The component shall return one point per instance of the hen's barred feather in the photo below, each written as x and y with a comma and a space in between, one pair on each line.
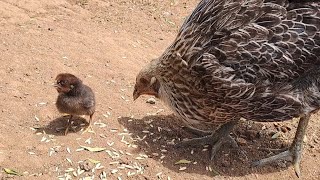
232, 59
242, 58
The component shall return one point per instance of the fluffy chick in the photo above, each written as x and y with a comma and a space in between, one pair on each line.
74, 97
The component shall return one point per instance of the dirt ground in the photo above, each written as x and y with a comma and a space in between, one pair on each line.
106, 43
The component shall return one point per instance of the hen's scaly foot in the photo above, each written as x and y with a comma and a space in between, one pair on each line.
215, 139
294, 152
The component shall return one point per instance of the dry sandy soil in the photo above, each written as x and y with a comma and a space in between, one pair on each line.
106, 43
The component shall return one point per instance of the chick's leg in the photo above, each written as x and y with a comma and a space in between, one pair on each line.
295, 150
215, 139
69, 125
89, 125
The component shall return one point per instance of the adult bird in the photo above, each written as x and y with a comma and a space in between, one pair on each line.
252, 59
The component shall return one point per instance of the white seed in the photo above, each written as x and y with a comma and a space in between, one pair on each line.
129, 154
182, 168
139, 158
68, 150
43, 139
80, 149
114, 162
102, 135
144, 155
130, 173
69, 170
113, 171
69, 160
113, 130
88, 141
110, 143
80, 171
105, 115
50, 153
36, 118
99, 167
164, 150
121, 167
155, 154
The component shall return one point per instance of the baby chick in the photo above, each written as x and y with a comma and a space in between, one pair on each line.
74, 97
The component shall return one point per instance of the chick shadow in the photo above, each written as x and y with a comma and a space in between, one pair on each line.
58, 126
155, 135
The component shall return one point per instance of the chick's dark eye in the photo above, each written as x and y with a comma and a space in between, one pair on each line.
60, 82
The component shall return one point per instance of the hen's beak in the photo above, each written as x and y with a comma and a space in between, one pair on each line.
136, 94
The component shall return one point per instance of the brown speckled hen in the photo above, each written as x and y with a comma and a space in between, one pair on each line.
74, 97
252, 59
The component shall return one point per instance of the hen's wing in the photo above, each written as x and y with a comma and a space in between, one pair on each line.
261, 41
234, 55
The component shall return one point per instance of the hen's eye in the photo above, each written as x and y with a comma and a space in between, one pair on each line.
144, 81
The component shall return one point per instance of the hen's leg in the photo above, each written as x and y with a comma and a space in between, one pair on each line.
295, 150
215, 139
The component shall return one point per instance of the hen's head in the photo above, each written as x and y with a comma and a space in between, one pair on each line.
146, 82
66, 82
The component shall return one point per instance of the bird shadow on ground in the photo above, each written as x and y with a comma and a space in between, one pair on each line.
57, 126
155, 135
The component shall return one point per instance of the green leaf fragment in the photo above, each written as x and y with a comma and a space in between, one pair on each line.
93, 149
11, 171
276, 135
94, 161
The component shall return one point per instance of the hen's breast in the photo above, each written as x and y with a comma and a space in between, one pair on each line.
192, 107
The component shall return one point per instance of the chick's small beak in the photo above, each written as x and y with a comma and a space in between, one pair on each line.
136, 94
55, 85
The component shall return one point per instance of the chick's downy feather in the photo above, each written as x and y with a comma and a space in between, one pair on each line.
79, 99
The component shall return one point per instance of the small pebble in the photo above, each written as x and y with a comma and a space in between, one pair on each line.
86, 165
283, 129
241, 141
151, 101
